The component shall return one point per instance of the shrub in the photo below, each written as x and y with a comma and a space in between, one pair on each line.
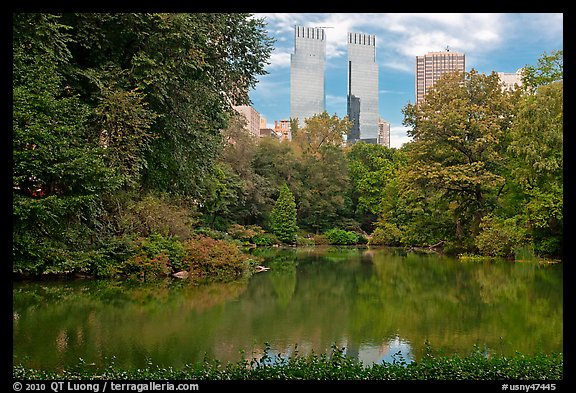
158, 215
207, 257
341, 237
386, 234
264, 239
154, 256
252, 234
500, 237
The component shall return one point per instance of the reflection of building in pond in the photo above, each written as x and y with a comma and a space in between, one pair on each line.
62, 341
393, 350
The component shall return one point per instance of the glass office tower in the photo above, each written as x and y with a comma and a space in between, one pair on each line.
307, 63
362, 87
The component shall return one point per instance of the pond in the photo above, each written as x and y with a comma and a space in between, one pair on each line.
380, 304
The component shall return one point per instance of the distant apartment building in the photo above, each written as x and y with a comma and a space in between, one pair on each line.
383, 133
362, 99
252, 118
307, 64
282, 128
431, 66
509, 80
269, 132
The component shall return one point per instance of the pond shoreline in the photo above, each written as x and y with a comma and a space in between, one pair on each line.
475, 366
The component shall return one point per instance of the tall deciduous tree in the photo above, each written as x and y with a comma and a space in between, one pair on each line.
549, 68
123, 101
320, 130
459, 134
371, 167
189, 67
323, 199
58, 173
536, 150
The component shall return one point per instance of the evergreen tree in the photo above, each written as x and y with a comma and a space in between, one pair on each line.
283, 216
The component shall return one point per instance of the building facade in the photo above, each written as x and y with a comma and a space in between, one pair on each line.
431, 66
307, 64
383, 133
362, 100
252, 118
509, 80
283, 128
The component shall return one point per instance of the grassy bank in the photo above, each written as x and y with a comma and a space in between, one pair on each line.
475, 366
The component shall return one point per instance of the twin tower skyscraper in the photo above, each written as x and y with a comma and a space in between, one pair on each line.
307, 80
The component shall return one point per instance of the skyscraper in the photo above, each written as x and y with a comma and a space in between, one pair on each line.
362, 87
307, 63
431, 66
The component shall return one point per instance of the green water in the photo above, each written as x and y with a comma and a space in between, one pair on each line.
377, 303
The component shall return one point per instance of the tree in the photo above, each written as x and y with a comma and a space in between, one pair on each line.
323, 199
59, 174
189, 68
458, 150
549, 68
320, 130
238, 155
283, 216
371, 167
110, 107
536, 164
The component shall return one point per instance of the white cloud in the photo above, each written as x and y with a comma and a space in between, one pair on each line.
336, 104
400, 37
398, 136
279, 58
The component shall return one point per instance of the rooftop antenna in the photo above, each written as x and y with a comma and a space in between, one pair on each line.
447, 49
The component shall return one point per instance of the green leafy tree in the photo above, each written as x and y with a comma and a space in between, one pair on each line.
275, 162
320, 130
109, 107
323, 199
283, 216
459, 143
239, 154
549, 68
371, 167
221, 194
188, 67
59, 174
536, 162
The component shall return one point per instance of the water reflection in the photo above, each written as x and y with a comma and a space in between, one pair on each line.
395, 350
381, 305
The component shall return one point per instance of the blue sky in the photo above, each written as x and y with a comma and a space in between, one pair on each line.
501, 42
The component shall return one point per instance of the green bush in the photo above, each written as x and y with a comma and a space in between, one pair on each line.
155, 255
342, 237
252, 234
386, 234
221, 259
500, 237
264, 239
